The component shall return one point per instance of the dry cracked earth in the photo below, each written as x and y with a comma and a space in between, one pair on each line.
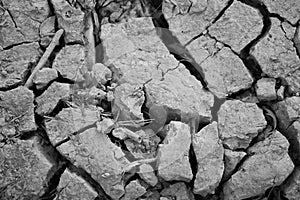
150, 99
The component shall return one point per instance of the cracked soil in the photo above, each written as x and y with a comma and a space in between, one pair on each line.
149, 99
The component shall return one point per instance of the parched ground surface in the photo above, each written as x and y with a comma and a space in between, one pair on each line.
149, 99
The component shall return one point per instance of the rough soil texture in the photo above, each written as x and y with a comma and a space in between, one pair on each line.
149, 100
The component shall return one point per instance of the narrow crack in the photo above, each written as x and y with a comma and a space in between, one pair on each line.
249, 60
12, 18
18, 44
81, 130
221, 13
282, 19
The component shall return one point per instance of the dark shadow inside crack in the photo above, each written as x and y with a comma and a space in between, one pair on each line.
249, 61
52, 181
216, 107
193, 164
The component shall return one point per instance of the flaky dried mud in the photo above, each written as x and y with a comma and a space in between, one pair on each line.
146, 99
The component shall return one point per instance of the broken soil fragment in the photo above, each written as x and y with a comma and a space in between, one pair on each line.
224, 71
16, 62
69, 60
173, 161
133, 190
69, 121
268, 166
16, 111
128, 101
265, 89
146, 172
21, 21
43, 77
239, 123
209, 153
70, 19
188, 97
50, 98
100, 157
239, 25
22, 170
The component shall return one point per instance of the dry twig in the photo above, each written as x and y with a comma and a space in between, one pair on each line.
44, 58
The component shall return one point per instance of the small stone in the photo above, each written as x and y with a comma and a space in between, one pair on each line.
277, 56
134, 190
69, 60
268, 167
280, 93
45, 41
17, 111
291, 187
239, 123
50, 98
23, 170
70, 19
105, 126
265, 89
239, 25
128, 101
178, 191
43, 77
47, 27
173, 162
209, 153
119, 133
146, 173
102, 73
232, 158
16, 62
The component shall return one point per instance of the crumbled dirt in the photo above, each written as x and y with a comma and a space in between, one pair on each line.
149, 99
